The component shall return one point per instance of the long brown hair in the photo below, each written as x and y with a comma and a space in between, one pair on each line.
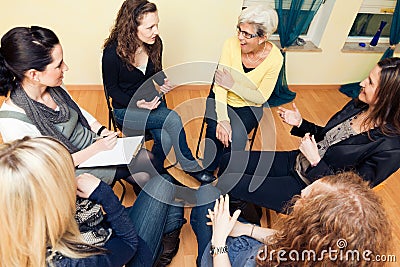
124, 33
386, 112
341, 213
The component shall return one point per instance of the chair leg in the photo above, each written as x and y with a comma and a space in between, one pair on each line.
253, 137
268, 217
199, 140
123, 190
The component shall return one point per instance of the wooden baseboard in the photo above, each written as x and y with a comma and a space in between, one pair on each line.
89, 87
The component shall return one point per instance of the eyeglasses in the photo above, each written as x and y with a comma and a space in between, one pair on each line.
246, 34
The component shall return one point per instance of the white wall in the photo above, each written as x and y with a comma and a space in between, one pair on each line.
191, 31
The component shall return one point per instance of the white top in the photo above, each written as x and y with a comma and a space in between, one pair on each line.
12, 129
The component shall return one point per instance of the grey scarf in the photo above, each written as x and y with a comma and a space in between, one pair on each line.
44, 117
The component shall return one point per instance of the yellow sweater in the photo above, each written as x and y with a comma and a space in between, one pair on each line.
250, 89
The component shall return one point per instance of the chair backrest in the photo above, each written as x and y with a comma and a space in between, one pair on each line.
111, 119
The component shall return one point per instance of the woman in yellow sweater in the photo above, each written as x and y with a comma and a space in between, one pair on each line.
248, 69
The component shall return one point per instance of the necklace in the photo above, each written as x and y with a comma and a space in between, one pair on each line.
252, 61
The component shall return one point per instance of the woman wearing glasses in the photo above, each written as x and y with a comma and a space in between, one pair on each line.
248, 69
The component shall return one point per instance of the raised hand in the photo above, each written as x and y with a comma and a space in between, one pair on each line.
291, 117
221, 221
167, 86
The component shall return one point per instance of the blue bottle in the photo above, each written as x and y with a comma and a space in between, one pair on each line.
375, 39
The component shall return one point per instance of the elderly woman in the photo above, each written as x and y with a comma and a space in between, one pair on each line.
248, 69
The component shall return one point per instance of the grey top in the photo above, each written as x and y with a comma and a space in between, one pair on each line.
82, 137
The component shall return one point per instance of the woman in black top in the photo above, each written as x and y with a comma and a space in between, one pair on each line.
364, 137
131, 64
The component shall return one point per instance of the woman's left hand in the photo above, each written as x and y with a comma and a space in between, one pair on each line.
167, 86
86, 184
224, 79
309, 148
221, 221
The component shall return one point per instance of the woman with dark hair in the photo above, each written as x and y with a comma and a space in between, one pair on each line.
131, 62
31, 74
336, 221
364, 137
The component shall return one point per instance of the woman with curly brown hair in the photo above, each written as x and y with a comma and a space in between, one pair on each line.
338, 220
131, 67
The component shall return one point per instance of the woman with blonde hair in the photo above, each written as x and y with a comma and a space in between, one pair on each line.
338, 220
39, 228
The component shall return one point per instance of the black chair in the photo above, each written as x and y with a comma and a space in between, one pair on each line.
251, 138
115, 125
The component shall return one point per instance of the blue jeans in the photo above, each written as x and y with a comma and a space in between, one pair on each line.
153, 216
241, 250
167, 130
206, 196
243, 120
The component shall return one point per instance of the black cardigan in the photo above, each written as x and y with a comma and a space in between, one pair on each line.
123, 84
373, 157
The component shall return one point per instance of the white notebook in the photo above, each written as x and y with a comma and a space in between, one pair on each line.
123, 152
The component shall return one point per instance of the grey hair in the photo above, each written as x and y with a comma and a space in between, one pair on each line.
264, 19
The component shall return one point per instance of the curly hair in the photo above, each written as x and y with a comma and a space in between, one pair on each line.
340, 212
124, 33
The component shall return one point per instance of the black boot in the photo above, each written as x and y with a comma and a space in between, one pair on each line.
204, 177
250, 212
170, 246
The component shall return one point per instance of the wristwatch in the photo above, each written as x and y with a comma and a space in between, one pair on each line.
218, 250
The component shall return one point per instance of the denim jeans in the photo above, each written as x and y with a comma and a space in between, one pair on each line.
206, 196
242, 119
167, 130
153, 215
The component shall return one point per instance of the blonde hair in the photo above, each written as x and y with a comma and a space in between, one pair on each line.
342, 213
264, 18
38, 201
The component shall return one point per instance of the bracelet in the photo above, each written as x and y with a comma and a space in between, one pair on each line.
218, 250
252, 229
101, 129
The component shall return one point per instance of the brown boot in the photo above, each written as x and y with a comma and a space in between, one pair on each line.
170, 244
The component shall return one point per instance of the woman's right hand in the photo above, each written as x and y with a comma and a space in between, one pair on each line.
86, 184
107, 142
224, 132
291, 117
153, 104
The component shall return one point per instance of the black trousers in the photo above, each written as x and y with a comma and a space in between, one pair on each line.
265, 178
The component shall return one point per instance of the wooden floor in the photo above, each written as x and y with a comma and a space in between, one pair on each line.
316, 105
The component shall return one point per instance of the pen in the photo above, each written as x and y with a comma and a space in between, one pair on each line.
99, 137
